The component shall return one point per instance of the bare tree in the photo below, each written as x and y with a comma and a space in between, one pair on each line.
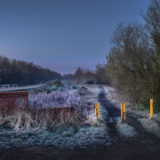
152, 18
131, 62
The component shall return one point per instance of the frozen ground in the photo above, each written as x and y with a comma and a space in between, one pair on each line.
92, 132
62, 138
104, 139
152, 126
125, 129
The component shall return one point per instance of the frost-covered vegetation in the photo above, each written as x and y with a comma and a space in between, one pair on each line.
59, 108
125, 129
61, 98
64, 118
69, 137
50, 86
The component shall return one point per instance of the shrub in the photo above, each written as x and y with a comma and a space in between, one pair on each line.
56, 83
50, 86
61, 98
90, 82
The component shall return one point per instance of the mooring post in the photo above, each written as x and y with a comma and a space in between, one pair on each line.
123, 112
151, 108
97, 110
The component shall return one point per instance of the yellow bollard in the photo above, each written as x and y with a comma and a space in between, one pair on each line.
97, 108
151, 108
123, 112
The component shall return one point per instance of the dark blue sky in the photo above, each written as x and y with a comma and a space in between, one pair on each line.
63, 34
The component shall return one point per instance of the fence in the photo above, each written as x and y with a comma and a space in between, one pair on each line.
8, 85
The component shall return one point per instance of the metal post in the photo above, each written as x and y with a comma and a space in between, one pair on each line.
123, 112
151, 108
97, 110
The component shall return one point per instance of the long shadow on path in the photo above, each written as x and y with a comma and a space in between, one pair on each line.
113, 112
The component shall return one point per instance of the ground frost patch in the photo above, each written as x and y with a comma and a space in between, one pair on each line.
125, 129
62, 137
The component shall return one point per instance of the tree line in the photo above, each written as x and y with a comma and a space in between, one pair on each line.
24, 73
92, 77
133, 63
134, 59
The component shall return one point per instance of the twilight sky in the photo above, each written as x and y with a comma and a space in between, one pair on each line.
63, 34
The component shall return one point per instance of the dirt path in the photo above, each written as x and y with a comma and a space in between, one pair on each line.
142, 146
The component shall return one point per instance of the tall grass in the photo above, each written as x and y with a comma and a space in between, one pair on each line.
59, 108
22, 119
